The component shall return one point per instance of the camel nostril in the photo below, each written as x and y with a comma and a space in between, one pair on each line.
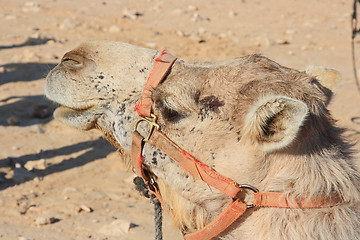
70, 62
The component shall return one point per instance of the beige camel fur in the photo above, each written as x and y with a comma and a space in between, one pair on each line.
250, 118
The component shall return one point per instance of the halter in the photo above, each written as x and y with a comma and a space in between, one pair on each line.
237, 207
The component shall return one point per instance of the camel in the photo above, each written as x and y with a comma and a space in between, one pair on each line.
250, 119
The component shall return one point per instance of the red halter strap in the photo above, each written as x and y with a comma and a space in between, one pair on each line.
226, 185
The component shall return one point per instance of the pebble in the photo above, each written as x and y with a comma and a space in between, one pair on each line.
13, 120
31, 7
151, 44
291, 53
265, 41
85, 209
24, 238
25, 206
40, 164
196, 17
192, 8
290, 32
114, 29
44, 220
11, 17
69, 190
202, 31
131, 14
181, 33
232, 14
117, 227
282, 42
69, 23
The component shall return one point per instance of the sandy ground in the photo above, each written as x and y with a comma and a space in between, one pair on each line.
75, 180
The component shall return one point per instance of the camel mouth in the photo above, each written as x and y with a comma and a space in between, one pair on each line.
83, 118
77, 109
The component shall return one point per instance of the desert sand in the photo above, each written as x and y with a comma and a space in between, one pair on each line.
60, 183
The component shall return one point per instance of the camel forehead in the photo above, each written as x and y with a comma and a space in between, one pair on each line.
108, 52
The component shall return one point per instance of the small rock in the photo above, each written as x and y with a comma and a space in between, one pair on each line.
291, 53
24, 238
40, 164
232, 14
196, 38
202, 31
222, 35
11, 17
177, 11
131, 14
13, 120
151, 45
25, 206
265, 41
69, 23
86, 209
114, 29
117, 227
196, 17
42, 111
181, 33
308, 36
290, 32
44, 220
282, 42
31, 7
69, 190
192, 8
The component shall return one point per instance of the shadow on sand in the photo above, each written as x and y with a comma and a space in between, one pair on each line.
94, 149
24, 72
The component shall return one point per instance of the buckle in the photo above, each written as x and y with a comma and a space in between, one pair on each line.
254, 189
152, 125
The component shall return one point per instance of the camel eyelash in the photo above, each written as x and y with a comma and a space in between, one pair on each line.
168, 113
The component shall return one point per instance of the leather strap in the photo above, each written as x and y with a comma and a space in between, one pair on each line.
136, 155
281, 200
162, 66
193, 166
222, 222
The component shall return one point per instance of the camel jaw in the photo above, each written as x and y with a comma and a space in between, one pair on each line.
80, 118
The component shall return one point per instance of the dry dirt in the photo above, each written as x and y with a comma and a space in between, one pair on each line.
76, 178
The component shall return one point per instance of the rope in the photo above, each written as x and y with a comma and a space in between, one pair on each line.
355, 31
142, 188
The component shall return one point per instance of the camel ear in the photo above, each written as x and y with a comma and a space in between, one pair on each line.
329, 78
274, 121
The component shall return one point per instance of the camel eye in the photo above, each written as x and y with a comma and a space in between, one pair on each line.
169, 114
72, 63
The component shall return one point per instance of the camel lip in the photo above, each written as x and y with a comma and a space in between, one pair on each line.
77, 109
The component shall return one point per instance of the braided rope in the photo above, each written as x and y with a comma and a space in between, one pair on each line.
142, 188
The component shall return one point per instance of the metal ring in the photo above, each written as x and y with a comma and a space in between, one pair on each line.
254, 189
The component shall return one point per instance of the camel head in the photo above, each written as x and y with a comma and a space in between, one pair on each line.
250, 119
